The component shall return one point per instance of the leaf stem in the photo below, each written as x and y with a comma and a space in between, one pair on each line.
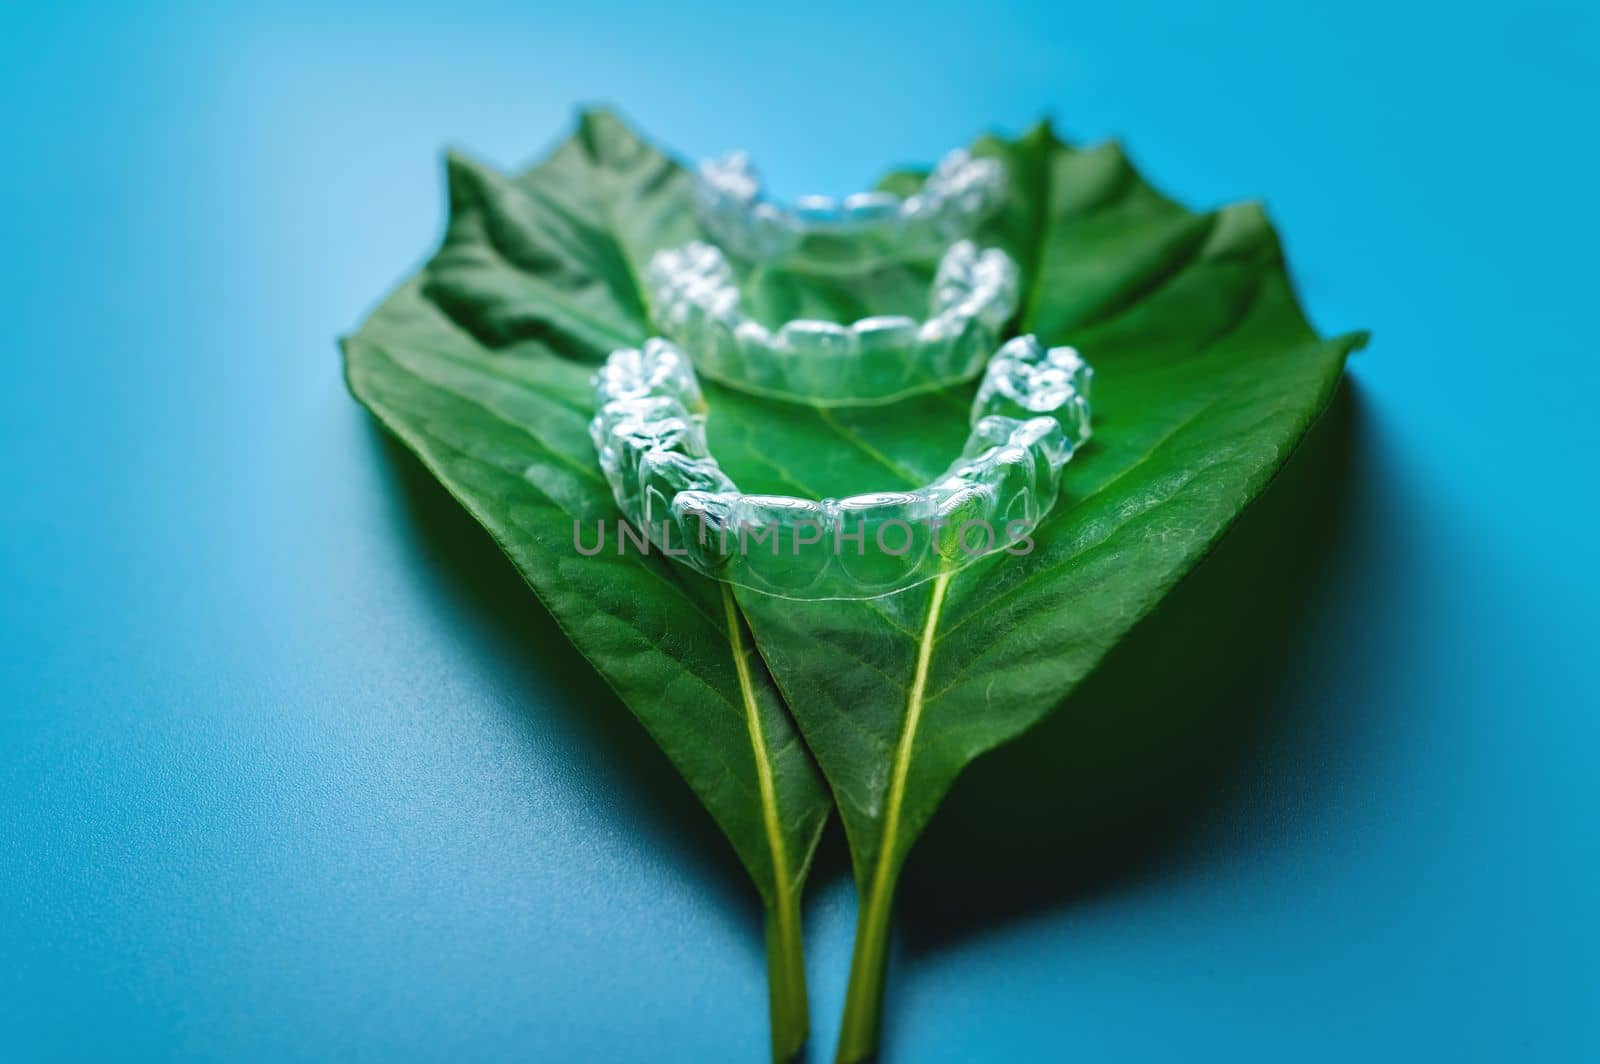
786, 968
786, 980
863, 1001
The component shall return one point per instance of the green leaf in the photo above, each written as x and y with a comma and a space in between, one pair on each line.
481, 367
1207, 376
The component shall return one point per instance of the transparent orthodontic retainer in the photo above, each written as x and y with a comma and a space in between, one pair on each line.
873, 360
1031, 412
823, 234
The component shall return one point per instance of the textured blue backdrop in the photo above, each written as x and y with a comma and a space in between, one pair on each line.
290, 767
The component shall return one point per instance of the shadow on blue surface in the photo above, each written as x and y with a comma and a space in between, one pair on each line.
1152, 753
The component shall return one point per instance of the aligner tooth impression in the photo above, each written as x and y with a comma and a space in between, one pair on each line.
1030, 413
873, 360
822, 233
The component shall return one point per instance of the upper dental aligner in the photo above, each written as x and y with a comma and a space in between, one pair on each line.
1030, 414
1025, 378
820, 232
874, 360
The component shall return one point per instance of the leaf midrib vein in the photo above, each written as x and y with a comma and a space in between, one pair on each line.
771, 822
901, 768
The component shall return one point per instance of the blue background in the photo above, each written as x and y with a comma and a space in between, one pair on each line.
290, 768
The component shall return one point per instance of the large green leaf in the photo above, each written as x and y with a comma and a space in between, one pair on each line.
481, 367
1207, 375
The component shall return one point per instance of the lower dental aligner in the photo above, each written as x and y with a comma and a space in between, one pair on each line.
874, 360
1030, 414
823, 233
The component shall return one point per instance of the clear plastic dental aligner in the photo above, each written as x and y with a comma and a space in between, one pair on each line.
872, 360
823, 233
1030, 414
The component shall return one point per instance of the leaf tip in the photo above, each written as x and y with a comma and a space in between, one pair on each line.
1355, 341
458, 165
598, 119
